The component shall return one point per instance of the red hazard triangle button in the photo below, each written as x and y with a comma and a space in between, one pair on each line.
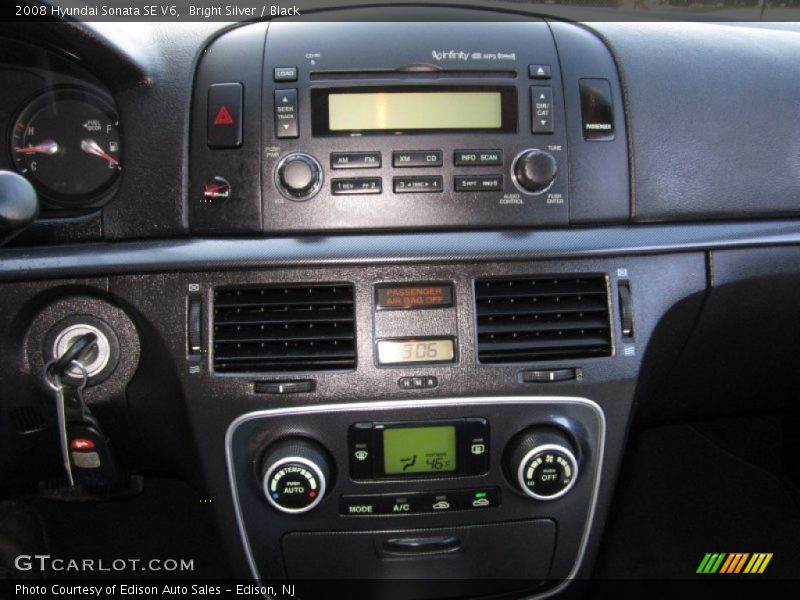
223, 116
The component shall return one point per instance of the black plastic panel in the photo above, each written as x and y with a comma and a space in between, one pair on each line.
713, 133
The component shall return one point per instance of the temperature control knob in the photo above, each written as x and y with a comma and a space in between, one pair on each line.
298, 176
533, 171
541, 463
295, 473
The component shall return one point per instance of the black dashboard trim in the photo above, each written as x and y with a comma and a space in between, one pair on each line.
212, 254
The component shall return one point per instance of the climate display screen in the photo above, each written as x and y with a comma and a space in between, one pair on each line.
419, 450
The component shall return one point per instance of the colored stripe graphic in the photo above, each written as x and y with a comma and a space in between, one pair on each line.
734, 562
758, 563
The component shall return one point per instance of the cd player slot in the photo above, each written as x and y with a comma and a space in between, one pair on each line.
394, 74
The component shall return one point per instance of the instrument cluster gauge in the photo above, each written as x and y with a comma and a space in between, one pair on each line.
67, 144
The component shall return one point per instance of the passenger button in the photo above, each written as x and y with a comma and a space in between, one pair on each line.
356, 185
360, 505
286, 125
542, 109
285, 74
417, 158
224, 128
355, 160
418, 185
597, 110
479, 183
478, 158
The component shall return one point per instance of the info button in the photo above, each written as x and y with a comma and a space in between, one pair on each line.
478, 158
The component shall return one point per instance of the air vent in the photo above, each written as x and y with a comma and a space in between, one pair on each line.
542, 318
284, 328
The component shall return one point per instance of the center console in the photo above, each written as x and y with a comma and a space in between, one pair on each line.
500, 487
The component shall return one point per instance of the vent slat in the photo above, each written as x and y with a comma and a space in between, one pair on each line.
542, 318
284, 328
539, 288
536, 306
530, 324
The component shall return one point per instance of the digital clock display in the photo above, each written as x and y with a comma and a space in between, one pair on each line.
394, 352
419, 450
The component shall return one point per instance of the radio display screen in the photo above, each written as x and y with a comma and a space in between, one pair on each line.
419, 449
403, 111
413, 109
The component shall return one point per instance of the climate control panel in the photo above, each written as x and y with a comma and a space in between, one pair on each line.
462, 466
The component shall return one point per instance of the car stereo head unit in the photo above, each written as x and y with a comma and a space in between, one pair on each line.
424, 125
429, 139
414, 449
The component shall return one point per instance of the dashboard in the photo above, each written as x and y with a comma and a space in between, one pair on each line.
393, 292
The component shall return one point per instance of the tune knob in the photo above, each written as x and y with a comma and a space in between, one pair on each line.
298, 176
533, 171
541, 463
295, 473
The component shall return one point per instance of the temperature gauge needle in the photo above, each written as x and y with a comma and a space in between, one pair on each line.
92, 147
46, 147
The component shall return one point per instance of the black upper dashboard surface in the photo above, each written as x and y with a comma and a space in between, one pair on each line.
710, 111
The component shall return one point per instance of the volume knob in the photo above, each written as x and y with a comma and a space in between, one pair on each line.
295, 474
534, 171
298, 176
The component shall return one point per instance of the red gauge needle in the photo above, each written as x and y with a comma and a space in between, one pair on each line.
46, 147
92, 147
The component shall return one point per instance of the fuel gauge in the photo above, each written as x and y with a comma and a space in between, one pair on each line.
67, 144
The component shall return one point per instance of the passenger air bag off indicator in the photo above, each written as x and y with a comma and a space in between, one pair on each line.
397, 296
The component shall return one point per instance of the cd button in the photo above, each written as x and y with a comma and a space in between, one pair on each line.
417, 158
